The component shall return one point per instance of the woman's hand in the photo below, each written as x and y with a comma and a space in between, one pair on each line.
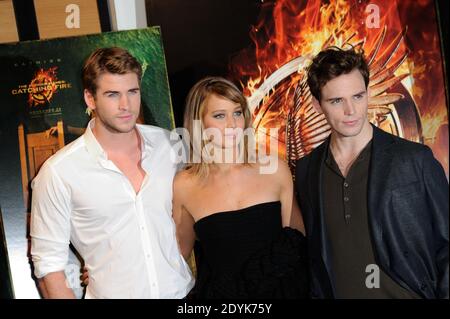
84, 277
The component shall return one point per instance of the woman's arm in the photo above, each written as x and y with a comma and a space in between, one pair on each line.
184, 221
290, 211
296, 217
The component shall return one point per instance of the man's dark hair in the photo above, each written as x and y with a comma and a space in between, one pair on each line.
333, 62
113, 60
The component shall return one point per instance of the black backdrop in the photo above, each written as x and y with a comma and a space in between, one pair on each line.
6, 287
201, 36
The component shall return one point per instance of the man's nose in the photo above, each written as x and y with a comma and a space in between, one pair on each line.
349, 108
123, 102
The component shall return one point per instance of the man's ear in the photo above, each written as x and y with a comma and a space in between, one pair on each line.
89, 99
316, 105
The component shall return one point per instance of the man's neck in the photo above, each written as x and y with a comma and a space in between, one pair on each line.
346, 149
113, 142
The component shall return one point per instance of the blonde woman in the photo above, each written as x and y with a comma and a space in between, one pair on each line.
247, 224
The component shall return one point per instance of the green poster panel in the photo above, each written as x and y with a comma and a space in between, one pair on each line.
41, 82
41, 93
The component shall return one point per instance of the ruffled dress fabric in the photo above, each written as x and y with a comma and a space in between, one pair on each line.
247, 254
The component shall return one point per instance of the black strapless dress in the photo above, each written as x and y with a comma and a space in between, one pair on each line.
248, 254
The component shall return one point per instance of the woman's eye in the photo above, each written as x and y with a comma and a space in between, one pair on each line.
219, 116
238, 113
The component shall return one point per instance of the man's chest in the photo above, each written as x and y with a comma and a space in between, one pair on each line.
104, 188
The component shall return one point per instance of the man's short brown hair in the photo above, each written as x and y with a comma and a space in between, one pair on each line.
113, 60
333, 62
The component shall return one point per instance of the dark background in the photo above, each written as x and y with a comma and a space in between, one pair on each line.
6, 287
200, 37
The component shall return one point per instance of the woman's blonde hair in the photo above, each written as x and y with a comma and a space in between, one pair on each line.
195, 110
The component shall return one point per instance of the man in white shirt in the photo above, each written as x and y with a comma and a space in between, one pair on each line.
109, 193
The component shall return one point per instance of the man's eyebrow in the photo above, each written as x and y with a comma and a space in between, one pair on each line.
339, 97
113, 91
333, 98
360, 93
110, 91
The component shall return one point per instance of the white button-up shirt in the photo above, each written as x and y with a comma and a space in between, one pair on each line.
127, 240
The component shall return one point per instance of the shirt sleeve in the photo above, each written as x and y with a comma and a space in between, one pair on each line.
50, 222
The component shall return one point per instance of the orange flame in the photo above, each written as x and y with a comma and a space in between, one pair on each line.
287, 29
42, 86
297, 28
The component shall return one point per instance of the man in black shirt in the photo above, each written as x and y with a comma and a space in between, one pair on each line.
375, 206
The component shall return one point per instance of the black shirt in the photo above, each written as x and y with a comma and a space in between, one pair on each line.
346, 220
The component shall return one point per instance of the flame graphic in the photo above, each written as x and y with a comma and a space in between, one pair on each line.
289, 29
42, 86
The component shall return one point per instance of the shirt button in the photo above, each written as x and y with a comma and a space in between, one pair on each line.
345, 184
346, 199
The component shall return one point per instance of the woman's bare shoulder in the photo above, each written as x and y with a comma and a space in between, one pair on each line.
183, 181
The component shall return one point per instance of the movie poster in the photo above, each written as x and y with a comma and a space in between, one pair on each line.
401, 41
41, 95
